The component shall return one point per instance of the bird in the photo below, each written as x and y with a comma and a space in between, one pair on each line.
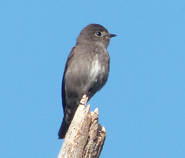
86, 70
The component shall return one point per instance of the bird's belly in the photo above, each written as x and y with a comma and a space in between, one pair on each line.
97, 78
97, 71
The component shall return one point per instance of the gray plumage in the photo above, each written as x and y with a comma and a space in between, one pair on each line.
86, 70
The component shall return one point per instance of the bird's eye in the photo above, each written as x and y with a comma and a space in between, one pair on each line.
98, 33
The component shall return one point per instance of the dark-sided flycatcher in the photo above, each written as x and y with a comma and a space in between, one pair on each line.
86, 70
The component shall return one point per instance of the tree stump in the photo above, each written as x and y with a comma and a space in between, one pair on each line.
85, 136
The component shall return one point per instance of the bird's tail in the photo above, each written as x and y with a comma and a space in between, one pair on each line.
63, 129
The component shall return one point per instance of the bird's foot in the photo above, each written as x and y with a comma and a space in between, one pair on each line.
84, 100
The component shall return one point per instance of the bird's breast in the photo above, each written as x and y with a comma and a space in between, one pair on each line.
98, 69
95, 69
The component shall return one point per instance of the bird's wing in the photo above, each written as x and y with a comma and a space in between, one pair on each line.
63, 80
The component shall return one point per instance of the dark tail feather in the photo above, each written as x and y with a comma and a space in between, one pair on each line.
63, 129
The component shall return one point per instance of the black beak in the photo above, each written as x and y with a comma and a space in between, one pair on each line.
112, 35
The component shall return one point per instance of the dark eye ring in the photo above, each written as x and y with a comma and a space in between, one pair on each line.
98, 33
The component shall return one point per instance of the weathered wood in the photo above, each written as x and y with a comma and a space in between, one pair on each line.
85, 137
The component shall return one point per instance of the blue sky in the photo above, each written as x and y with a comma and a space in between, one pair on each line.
142, 106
